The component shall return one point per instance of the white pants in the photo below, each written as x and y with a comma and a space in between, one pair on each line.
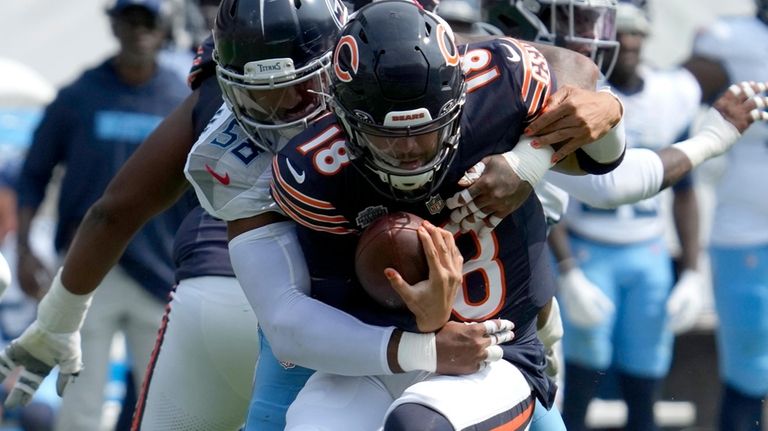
119, 304
202, 370
331, 402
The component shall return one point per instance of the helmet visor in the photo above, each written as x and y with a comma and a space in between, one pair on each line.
277, 105
405, 153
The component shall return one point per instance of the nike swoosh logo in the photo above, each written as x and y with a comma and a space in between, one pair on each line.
515, 57
224, 179
299, 177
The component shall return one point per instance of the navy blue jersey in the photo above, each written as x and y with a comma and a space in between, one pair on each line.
93, 126
203, 66
200, 248
506, 273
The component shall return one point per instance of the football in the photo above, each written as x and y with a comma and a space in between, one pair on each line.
391, 241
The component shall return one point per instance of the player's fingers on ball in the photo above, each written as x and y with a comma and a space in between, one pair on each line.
438, 239
453, 249
395, 279
493, 353
429, 247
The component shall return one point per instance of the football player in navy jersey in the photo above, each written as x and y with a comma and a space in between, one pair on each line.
151, 181
407, 125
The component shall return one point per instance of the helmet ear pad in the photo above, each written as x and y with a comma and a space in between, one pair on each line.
400, 86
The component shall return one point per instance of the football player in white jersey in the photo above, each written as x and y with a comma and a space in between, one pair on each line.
643, 172
98, 246
232, 162
739, 236
620, 253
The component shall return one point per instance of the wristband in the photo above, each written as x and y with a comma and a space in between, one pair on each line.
530, 164
61, 311
716, 136
417, 352
610, 146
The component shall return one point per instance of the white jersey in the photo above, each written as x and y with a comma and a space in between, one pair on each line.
741, 215
654, 118
231, 176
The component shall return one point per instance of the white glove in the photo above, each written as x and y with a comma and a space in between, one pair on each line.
685, 302
584, 303
5, 275
38, 351
52, 339
550, 334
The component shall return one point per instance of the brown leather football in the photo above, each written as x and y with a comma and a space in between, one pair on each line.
391, 241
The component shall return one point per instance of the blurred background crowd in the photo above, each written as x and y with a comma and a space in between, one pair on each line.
49, 44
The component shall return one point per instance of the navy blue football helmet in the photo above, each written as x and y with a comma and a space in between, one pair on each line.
398, 90
273, 59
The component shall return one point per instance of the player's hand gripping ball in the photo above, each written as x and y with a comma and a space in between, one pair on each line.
391, 241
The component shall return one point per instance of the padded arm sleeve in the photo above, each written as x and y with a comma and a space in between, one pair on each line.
270, 266
638, 177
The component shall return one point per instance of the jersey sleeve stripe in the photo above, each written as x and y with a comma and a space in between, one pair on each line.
536, 78
305, 222
287, 202
539, 97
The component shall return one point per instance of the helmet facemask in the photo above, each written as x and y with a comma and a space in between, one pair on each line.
410, 154
272, 101
399, 99
584, 26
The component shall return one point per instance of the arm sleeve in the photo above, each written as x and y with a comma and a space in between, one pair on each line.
638, 177
270, 266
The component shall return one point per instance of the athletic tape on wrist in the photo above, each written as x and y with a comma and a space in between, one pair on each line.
530, 164
417, 352
715, 138
61, 311
610, 146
